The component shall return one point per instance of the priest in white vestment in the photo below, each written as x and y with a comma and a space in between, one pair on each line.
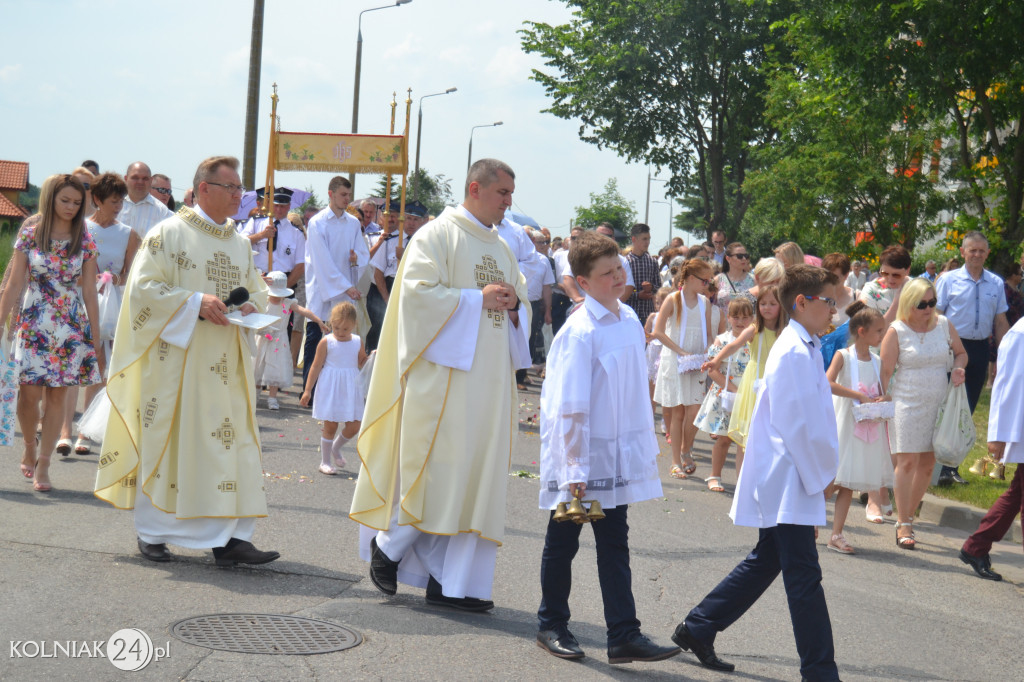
182, 426
441, 413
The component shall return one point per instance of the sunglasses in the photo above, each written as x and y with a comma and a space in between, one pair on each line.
741, 256
705, 282
923, 305
163, 190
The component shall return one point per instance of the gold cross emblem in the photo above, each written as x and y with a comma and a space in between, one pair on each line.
487, 273
225, 433
223, 274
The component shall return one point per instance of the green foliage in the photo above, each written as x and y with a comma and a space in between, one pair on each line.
673, 83
435, 191
607, 206
958, 64
29, 199
313, 202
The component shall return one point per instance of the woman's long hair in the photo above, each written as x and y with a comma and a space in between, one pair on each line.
48, 213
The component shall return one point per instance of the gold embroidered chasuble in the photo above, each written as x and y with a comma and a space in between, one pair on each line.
449, 432
182, 424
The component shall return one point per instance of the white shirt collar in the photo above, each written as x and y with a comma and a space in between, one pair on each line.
598, 311
202, 214
148, 199
802, 332
464, 212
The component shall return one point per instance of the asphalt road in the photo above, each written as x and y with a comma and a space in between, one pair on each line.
70, 571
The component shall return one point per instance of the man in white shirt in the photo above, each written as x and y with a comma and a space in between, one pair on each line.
277, 233
161, 189
384, 261
336, 255
857, 277
141, 210
371, 230
540, 277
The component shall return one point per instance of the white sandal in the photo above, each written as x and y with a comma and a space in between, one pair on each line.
839, 544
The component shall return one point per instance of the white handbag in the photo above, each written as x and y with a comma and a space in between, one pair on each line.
868, 411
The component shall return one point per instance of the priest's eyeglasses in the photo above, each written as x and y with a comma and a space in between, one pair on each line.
232, 189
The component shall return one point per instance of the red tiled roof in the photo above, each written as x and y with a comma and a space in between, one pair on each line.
14, 175
9, 210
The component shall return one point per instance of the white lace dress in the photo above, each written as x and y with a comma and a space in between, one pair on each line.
673, 388
864, 460
918, 386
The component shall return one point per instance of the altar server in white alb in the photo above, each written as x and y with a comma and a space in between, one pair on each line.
1005, 445
441, 411
598, 443
792, 457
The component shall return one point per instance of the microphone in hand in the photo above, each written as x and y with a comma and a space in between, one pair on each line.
237, 297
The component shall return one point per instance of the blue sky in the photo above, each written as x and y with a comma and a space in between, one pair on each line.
165, 82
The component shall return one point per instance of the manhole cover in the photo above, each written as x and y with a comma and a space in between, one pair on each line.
265, 633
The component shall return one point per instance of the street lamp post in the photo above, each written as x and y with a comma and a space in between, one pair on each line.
469, 159
419, 136
669, 203
359, 64
647, 202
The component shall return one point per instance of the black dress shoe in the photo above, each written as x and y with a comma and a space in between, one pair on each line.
560, 644
957, 478
705, 652
640, 649
241, 552
437, 598
383, 571
154, 552
982, 565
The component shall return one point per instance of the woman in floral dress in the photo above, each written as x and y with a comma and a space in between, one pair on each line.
55, 346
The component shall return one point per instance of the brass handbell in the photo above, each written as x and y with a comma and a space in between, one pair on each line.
560, 514
595, 513
576, 512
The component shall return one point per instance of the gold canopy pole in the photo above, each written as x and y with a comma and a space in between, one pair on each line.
405, 164
268, 186
387, 184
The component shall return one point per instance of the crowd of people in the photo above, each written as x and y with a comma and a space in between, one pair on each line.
402, 322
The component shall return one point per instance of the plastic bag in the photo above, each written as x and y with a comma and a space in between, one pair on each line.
9, 375
954, 428
93, 422
108, 299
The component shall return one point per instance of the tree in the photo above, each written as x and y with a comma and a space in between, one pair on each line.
959, 63
607, 206
435, 190
844, 161
674, 83
311, 202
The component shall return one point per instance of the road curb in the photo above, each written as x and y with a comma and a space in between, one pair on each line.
951, 514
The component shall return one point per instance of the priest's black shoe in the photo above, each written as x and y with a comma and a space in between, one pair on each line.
242, 552
982, 565
383, 571
561, 644
705, 652
435, 597
154, 552
640, 649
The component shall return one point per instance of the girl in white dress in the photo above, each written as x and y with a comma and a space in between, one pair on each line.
654, 354
273, 363
864, 460
339, 396
713, 417
684, 327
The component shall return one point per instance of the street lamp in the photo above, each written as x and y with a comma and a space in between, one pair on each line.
469, 159
359, 64
669, 202
647, 201
419, 136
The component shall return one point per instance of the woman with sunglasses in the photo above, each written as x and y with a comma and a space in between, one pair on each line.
916, 348
56, 347
735, 279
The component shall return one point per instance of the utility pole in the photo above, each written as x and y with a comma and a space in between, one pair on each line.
252, 104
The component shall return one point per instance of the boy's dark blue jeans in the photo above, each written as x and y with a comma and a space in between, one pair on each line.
560, 546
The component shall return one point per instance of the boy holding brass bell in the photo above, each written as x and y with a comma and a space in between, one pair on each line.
598, 454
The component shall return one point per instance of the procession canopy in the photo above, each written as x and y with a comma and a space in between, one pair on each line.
341, 153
